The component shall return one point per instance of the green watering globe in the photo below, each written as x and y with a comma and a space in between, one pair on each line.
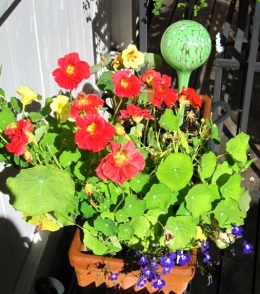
185, 46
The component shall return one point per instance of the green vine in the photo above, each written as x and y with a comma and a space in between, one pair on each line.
156, 6
196, 8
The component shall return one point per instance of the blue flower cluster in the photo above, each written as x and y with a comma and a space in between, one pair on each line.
150, 265
237, 232
159, 256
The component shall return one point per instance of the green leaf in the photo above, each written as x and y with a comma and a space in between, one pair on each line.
97, 67
84, 170
182, 210
122, 215
125, 232
39, 132
137, 183
215, 134
153, 60
93, 243
244, 203
156, 212
198, 200
15, 104
184, 142
133, 206
183, 229
158, 197
106, 226
152, 140
228, 212
237, 147
176, 171
6, 117
87, 210
141, 227
113, 244
2, 92
215, 195
67, 157
105, 83
207, 165
112, 191
35, 116
222, 169
63, 218
46, 223
232, 188
104, 206
41, 189
169, 121
51, 142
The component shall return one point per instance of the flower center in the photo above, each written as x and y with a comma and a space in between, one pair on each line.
91, 128
70, 69
131, 55
83, 102
120, 157
124, 83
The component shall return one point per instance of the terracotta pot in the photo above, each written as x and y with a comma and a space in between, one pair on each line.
96, 269
206, 106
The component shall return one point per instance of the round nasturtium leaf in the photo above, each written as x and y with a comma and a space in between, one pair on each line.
176, 171
182, 229
41, 189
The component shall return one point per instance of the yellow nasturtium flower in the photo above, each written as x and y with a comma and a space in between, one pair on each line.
131, 57
61, 106
27, 95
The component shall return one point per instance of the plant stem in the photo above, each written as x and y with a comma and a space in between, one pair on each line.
54, 157
116, 111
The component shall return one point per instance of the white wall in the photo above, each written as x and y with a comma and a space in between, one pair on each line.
33, 37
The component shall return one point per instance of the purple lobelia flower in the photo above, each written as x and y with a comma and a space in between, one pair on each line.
182, 257
159, 283
166, 261
114, 276
248, 248
141, 282
237, 231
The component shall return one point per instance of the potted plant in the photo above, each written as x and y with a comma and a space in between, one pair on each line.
140, 181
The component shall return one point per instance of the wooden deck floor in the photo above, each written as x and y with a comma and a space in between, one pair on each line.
239, 274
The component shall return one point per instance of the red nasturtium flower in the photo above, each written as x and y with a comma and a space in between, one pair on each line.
20, 135
123, 163
163, 92
188, 96
85, 103
71, 71
148, 76
94, 132
126, 84
136, 113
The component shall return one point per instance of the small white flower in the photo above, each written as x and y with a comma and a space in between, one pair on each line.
219, 48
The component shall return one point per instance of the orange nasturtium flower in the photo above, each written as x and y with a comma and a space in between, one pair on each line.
61, 106
123, 163
131, 57
71, 71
